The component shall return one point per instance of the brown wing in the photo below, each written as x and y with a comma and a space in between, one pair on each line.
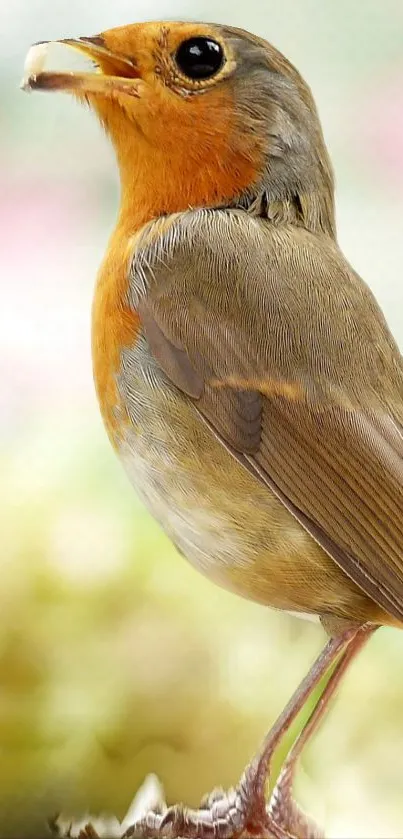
288, 357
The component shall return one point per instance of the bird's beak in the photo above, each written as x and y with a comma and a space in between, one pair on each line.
112, 73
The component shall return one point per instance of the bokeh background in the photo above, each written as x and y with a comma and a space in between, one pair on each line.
116, 658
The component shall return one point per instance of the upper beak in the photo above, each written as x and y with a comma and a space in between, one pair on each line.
119, 77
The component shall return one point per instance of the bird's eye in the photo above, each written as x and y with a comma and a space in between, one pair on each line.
199, 58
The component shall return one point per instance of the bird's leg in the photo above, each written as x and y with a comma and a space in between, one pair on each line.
243, 812
253, 783
281, 807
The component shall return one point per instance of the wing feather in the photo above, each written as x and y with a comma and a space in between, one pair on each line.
288, 357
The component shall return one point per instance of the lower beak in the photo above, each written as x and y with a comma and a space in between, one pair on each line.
120, 76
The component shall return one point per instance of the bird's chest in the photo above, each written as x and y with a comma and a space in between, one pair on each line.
223, 520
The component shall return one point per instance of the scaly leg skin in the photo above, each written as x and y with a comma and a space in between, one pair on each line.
243, 813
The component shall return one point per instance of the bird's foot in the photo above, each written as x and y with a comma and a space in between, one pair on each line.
240, 813
221, 815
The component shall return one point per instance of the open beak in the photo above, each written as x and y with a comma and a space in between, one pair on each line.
112, 73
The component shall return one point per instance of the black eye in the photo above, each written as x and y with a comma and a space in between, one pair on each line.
199, 58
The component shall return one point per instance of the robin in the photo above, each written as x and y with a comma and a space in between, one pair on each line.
245, 373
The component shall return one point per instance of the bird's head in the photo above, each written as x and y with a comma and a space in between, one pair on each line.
203, 115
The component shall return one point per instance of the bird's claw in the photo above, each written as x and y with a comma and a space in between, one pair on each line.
239, 813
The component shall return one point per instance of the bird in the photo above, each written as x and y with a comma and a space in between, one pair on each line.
246, 375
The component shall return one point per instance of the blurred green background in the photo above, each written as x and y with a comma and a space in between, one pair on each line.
116, 658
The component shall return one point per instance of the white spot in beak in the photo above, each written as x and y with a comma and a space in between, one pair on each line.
34, 64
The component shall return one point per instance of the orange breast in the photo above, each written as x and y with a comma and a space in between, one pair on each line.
114, 326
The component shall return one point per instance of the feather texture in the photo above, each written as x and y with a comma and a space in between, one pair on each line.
286, 354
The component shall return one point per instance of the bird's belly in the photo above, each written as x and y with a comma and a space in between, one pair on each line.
223, 519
